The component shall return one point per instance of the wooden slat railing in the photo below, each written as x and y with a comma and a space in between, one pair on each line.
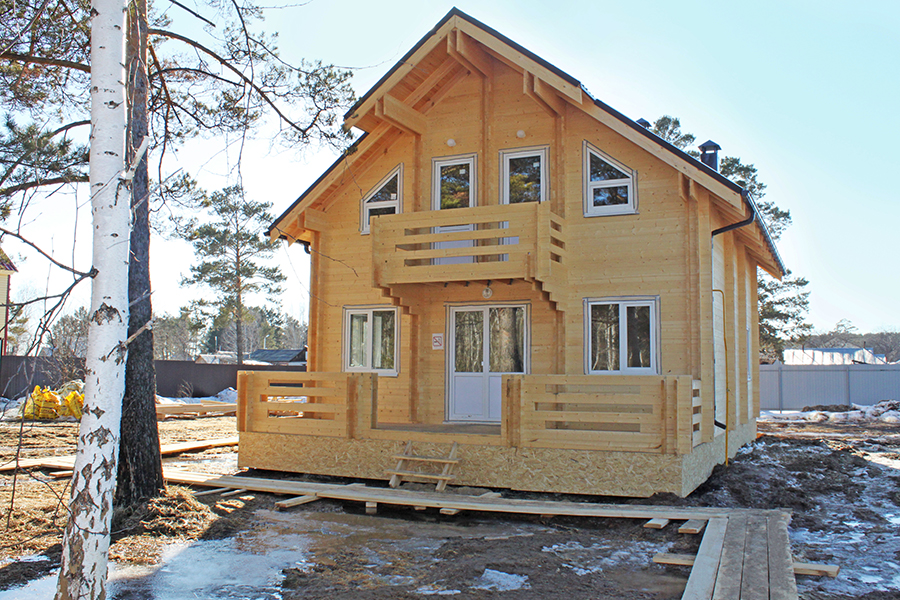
617, 413
519, 241
323, 404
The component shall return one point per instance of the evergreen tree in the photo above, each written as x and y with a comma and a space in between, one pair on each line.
232, 252
783, 305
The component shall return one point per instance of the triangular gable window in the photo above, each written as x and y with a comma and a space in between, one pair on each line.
609, 186
384, 199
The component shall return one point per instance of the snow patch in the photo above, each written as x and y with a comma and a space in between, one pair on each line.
501, 582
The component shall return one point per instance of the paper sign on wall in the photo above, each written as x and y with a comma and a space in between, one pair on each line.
437, 341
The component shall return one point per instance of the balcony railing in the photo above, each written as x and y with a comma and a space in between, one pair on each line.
518, 241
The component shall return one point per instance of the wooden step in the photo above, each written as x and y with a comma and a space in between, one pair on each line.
436, 476
435, 459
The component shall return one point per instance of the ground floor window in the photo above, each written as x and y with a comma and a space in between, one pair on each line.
370, 340
620, 336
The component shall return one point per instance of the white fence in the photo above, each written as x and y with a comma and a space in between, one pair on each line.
791, 387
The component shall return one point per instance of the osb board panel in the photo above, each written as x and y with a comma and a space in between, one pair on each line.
700, 462
532, 469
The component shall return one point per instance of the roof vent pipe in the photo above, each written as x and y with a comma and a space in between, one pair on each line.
710, 154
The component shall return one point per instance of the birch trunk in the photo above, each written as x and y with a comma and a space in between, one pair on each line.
86, 540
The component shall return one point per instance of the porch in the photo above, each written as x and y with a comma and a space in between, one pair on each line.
615, 435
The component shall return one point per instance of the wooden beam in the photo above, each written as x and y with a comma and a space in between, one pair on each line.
315, 220
472, 52
656, 523
528, 90
456, 55
432, 80
400, 115
549, 96
297, 501
800, 568
693, 526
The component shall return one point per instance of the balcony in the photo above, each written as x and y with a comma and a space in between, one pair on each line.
518, 241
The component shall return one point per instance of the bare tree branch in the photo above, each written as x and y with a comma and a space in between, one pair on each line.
18, 236
43, 60
33, 184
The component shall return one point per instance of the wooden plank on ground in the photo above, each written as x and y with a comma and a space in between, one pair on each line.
755, 577
183, 409
656, 523
782, 583
682, 560
297, 501
802, 568
211, 492
67, 462
236, 492
731, 563
693, 526
702, 579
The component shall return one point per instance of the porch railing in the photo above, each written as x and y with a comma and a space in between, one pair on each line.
654, 414
322, 404
622, 413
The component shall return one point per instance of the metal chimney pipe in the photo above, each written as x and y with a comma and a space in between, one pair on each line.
710, 154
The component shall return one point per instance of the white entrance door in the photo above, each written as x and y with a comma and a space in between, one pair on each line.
454, 187
486, 342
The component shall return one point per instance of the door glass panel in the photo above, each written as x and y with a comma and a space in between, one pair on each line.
604, 337
638, 327
468, 341
525, 179
358, 324
507, 342
383, 339
455, 185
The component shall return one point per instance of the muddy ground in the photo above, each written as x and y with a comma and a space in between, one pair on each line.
842, 483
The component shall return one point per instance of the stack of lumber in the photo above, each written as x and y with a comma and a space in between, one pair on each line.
202, 408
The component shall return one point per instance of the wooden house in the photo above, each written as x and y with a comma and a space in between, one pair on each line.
506, 266
7, 268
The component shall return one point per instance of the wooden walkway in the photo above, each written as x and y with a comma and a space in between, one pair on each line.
744, 557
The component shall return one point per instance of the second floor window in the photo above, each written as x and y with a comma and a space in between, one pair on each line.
524, 175
384, 199
609, 186
454, 182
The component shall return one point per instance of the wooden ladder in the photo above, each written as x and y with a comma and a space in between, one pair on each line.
404, 471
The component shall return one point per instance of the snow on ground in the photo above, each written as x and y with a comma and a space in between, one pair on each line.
887, 411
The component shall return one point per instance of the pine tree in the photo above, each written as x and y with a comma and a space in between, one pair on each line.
232, 252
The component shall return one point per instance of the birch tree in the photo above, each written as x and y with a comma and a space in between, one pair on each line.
86, 540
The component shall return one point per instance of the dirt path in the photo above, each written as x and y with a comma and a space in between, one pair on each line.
840, 481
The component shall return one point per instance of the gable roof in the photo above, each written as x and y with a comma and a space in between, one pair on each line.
570, 88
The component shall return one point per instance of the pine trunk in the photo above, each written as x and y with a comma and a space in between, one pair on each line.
85, 551
140, 467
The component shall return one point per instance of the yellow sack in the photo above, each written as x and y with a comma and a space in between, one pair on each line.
73, 404
42, 404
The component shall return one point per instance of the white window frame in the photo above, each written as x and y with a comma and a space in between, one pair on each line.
624, 302
396, 203
506, 155
368, 310
447, 161
630, 182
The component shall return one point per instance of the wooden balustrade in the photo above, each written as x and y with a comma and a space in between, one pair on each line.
323, 404
618, 413
655, 414
518, 241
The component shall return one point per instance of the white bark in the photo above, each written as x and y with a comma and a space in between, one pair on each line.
86, 540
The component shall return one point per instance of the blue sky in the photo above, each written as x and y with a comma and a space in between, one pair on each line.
804, 90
